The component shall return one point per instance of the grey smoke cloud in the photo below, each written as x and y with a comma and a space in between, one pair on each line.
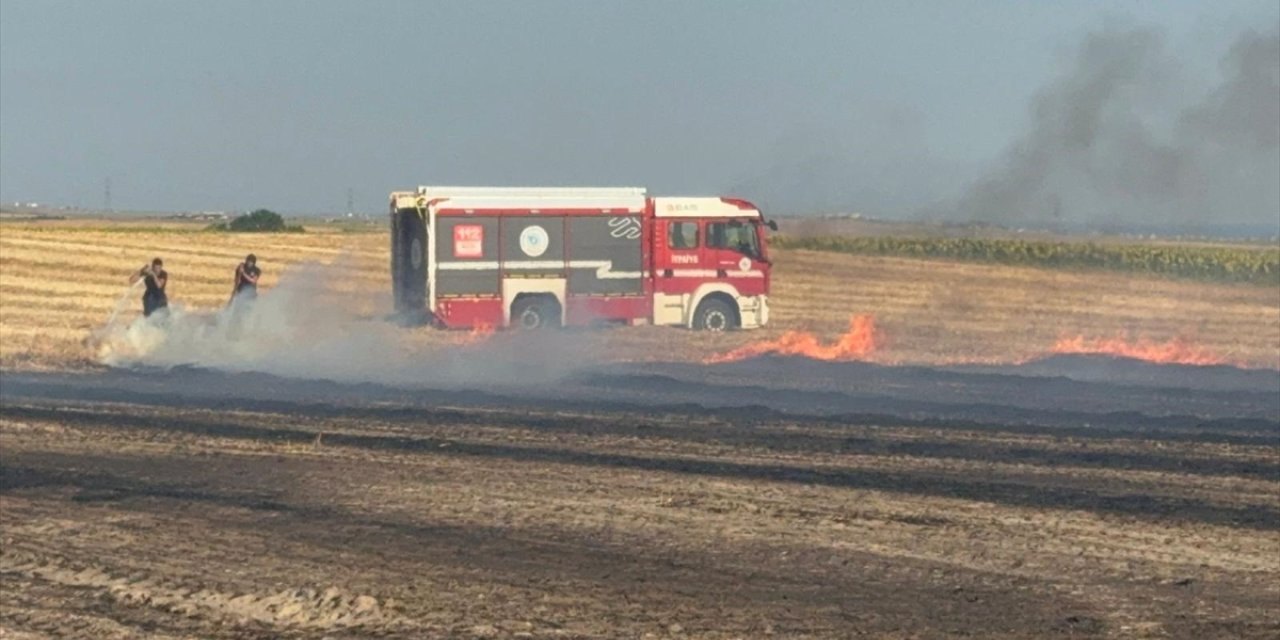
1110, 145
879, 164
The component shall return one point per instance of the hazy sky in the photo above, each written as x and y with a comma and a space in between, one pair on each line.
880, 107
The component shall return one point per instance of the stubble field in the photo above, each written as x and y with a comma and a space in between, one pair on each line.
62, 279
942, 489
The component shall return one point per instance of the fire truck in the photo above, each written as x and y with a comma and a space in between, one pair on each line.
467, 257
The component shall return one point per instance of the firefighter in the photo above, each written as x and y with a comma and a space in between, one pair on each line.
155, 278
246, 282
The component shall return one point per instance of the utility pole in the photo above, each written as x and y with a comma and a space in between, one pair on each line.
106, 194
351, 201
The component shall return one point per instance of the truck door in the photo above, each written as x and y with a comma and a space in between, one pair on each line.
734, 250
678, 257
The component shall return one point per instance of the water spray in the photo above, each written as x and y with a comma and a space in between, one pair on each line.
124, 300
99, 339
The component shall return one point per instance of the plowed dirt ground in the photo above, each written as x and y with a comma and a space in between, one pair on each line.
197, 504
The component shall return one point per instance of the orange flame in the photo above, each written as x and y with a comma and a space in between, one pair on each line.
857, 343
478, 333
1173, 351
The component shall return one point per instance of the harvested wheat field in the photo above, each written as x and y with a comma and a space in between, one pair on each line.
964, 468
61, 280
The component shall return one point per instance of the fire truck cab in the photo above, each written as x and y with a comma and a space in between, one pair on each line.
464, 257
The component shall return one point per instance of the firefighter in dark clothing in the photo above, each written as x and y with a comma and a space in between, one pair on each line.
246, 285
155, 278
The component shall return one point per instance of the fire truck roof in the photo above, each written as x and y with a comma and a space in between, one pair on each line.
631, 199
625, 198
532, 192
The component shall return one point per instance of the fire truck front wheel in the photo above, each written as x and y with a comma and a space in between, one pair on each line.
530, 312
714, 314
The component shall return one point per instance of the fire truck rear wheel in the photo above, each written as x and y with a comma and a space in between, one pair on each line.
534, 312
714, 315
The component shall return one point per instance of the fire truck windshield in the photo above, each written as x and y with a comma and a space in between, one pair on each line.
734, 235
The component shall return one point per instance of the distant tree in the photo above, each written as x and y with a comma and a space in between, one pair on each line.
259, 220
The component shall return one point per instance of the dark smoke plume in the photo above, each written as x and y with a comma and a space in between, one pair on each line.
1101, 152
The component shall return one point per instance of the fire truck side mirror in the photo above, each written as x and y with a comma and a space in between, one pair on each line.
772, 224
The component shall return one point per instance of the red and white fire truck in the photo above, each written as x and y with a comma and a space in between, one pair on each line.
535, 257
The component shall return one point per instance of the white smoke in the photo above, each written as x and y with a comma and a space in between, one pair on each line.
306, 328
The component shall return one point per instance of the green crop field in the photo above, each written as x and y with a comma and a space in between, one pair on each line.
1246, 264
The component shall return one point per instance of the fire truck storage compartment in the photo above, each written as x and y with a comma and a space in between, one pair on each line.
533, 246
605, 255
466, 249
